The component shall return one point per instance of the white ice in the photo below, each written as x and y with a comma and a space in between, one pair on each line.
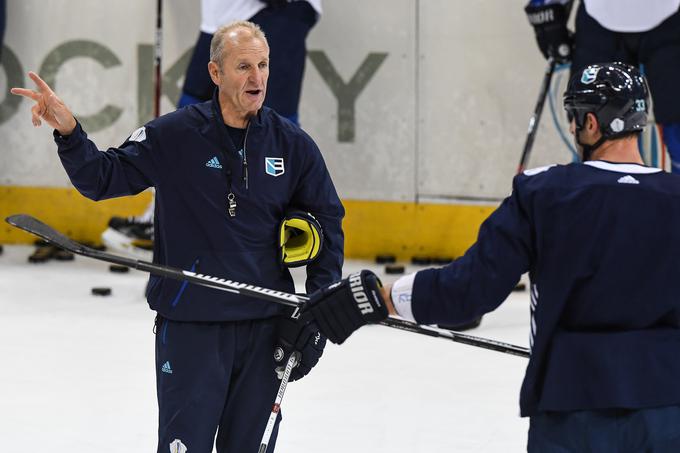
77, 374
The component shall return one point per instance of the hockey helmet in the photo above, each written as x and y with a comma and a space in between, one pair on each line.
616, 93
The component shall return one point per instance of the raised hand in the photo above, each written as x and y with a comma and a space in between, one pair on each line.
48, 106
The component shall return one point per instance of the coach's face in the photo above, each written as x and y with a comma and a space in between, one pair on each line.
242, 77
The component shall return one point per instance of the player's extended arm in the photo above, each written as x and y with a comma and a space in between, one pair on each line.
48, 106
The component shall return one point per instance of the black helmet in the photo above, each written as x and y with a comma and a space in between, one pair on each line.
616, 93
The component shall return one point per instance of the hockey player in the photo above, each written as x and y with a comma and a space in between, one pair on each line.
600, 242
645, 33
225, 172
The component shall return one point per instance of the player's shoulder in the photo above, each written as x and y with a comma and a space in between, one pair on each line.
547, 177
542, 175
190, 115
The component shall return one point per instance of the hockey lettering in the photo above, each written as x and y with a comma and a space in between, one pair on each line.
542, 17
359, 295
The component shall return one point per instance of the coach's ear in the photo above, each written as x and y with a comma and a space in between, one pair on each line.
215, 72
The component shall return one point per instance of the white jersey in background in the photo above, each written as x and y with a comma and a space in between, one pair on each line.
627, 16
215, 13
630, 16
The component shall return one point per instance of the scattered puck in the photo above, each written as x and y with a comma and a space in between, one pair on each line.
118, 269
1, 249
394, 269
520, 287
385, 259
421, 260
101, 291
442, 261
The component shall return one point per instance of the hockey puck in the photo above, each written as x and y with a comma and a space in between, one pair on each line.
421, 260
442, 261
118, 269
1, 249
385, 259
101, 291
520, 287
394, 269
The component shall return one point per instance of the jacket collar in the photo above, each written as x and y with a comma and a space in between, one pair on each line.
216, 110
621, 167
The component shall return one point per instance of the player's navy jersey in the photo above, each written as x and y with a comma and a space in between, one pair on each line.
601, 243
185, 155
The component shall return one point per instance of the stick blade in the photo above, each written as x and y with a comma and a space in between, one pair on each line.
34, 226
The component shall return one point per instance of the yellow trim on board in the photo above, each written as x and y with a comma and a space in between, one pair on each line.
64, 209
409, 229
371, 227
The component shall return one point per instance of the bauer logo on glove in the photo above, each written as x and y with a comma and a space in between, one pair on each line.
300, 239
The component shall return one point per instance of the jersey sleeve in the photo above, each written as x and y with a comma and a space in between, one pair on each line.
98, 175
316, 193
484, 276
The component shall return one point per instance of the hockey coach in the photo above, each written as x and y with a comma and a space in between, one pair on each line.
226, 173
600, 240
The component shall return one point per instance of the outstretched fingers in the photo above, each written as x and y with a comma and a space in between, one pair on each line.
48, 107
43, 87
25, 92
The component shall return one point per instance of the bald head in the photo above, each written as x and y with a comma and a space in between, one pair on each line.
231, 35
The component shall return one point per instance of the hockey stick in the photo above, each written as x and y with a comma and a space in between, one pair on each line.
536, 117
157, 52
38, 228
266, 436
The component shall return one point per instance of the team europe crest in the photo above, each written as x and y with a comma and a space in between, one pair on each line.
589, 75
274, 166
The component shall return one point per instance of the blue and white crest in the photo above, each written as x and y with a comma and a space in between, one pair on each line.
274, 166
589, 75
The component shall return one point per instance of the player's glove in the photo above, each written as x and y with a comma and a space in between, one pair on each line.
341, 308
550, 26
301, 336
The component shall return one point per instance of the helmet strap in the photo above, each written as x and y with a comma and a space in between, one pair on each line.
588, 150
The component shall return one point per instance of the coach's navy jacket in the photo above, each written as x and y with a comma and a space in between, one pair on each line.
601, 243
180, 154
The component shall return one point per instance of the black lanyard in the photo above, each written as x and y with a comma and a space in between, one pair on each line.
226, 168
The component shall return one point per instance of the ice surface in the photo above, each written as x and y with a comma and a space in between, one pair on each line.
77, 374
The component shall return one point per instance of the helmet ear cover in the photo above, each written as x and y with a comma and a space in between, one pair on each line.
300, 238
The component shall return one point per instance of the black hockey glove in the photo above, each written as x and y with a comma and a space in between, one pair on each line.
301, 336
341, 308
552, 35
